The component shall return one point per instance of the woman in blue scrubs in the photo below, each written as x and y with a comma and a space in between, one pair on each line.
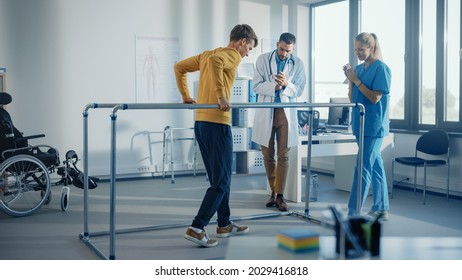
369, 84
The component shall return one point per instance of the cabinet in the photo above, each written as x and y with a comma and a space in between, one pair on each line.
248, 155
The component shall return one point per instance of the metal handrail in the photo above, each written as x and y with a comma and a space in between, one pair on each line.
85, 236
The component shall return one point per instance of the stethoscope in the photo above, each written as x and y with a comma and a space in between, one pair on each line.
289, 60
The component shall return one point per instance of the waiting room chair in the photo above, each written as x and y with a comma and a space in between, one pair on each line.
432, 149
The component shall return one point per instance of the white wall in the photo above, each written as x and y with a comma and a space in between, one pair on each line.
3, 33
63, 55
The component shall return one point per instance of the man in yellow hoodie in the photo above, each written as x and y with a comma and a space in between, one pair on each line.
212, 128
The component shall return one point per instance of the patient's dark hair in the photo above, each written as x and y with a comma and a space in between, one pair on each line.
243, 31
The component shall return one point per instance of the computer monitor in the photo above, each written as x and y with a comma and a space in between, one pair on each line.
339, 117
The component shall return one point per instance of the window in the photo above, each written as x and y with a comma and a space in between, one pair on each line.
421, 43
440, 64
427, 99
452, 104
391, 35
328, 54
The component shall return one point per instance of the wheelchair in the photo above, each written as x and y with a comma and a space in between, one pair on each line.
25, 181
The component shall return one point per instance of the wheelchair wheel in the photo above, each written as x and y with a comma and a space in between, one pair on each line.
25, 185
65, 198
48, 199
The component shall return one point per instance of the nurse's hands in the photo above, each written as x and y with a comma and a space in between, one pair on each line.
350, 73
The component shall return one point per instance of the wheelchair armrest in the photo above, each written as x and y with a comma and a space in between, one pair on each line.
30, 137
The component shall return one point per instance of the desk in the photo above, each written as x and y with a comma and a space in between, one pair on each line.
344, 148
391, 248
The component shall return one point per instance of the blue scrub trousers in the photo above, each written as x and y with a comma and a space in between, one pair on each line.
216, 146
373, 174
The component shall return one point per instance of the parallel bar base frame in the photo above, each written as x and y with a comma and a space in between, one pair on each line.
85, 237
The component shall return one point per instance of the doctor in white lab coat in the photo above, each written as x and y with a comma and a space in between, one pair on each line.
279, 77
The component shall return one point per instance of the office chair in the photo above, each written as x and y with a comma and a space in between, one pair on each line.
303, 119
430, 146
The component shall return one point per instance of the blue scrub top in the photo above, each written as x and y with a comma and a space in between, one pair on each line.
376, 77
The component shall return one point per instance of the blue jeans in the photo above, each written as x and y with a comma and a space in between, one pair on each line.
216, 146
373, 173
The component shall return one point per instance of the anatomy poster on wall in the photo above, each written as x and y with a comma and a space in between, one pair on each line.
155, 79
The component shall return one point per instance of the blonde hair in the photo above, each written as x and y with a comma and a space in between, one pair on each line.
370, 40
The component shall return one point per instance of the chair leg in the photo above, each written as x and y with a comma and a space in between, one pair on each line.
447, 183
415, 179
425, 183
392, 177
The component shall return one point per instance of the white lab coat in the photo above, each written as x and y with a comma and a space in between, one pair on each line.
263, 85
